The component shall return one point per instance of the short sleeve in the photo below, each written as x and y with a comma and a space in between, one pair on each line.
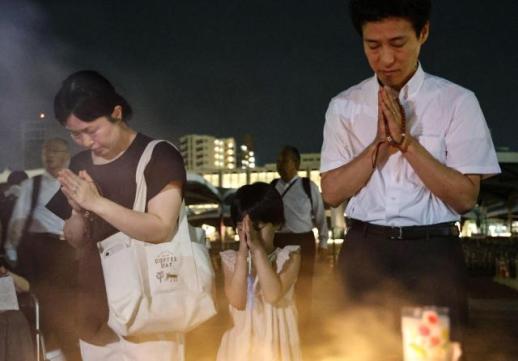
58, 204
166, 165
469, 146
284, 255
336, 149
228, 258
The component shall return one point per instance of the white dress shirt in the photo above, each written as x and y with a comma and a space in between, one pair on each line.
43, 220
297, 209
443, 117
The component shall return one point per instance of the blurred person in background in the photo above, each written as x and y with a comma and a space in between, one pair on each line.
303, 210
16, 340
35, 245
9, 192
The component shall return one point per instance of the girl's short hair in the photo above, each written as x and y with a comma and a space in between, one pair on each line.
260, 201
88, 95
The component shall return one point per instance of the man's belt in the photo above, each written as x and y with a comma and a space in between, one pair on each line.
46, 235
447, 229
296, 233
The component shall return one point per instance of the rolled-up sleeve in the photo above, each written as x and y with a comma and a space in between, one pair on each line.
469, 147
336, 148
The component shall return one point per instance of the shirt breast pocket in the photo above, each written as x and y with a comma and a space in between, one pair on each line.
436, 146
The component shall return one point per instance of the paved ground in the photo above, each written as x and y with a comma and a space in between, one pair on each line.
493, 333
492, 336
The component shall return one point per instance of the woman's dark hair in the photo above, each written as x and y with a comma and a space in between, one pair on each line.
88, 95
260, 201
416, 11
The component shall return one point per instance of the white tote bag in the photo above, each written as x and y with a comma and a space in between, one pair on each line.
156, 288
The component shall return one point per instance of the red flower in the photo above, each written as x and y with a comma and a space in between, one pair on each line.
432, 318
434, 341
424, 330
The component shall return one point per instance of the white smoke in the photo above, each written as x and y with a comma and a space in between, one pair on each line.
31, 65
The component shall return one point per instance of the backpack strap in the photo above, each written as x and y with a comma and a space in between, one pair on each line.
307, 189
306, 185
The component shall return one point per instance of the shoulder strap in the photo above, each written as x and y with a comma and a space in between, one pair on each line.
141, 192
287, 189
36, 185
305, 185
276, 180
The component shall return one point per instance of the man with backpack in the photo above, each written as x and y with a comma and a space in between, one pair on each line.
303, 210
36, 246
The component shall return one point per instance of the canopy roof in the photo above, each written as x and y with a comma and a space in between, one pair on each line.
499, 194
199, 191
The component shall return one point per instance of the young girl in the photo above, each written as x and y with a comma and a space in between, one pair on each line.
259, 282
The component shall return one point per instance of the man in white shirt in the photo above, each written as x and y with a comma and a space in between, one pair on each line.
408, 149
303, 210
35, 243
55, 156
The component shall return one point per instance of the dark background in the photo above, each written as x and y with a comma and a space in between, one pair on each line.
227, 68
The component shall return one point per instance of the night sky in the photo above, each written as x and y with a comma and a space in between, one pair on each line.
227, 68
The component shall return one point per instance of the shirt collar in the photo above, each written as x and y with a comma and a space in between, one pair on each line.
408, 91
412, 86
291, 180
47, 175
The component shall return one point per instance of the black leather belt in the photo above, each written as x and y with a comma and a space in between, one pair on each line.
447, 229
47, 235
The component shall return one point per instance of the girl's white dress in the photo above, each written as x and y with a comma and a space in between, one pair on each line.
262, 331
